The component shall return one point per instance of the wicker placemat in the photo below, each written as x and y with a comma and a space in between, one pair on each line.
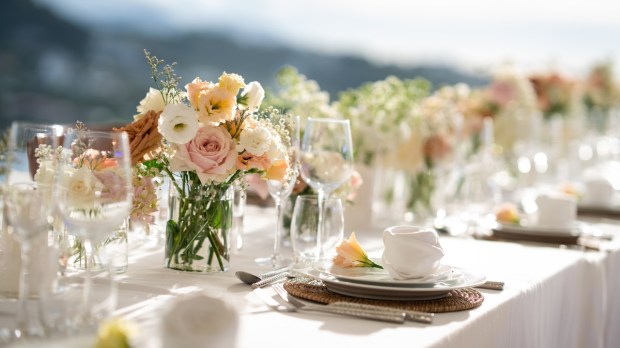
456, 300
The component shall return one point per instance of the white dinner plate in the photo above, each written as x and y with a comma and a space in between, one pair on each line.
378, 276
575, 230
421, 291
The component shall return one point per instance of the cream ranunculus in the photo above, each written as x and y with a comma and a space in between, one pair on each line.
178, 123
231, 82
153, 100
254, 140
80, 186
211, 154
252, 96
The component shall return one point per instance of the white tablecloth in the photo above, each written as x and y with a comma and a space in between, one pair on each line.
553, 297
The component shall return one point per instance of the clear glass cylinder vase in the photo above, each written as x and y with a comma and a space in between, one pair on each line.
198, 230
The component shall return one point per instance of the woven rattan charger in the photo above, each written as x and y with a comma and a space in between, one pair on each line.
456, 300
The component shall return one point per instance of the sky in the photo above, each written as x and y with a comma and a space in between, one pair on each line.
474, 35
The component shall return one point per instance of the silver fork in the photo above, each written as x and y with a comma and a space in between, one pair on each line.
271, 280
416, 316
294, 305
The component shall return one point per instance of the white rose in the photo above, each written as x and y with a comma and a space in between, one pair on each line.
254, 140
178, 123
253, 95
80, 186
153, 100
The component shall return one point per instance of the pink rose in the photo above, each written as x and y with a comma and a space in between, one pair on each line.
211, 154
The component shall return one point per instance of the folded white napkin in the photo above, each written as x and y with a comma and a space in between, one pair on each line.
598, 190
198, 320
556, 210
411, 252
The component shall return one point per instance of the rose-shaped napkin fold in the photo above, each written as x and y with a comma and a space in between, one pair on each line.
411, 252
198, 320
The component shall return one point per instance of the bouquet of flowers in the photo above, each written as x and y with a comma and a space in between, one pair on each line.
204, 139
509, 100
298, 95
556, 94
600, 91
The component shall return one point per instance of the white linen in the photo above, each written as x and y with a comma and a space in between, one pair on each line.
553, 297
411, 252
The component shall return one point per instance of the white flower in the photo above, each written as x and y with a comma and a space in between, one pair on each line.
178, 123
253, 95
256, 141
80, 186
45, 177
153, 100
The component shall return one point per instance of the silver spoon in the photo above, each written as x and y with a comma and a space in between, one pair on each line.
247, 278
258, 282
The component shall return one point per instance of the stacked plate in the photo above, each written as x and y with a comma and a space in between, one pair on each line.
544, 234
375, 283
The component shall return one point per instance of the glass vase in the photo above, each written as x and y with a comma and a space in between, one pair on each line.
198, 230
112, 254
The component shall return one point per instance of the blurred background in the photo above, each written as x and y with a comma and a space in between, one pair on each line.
67, 60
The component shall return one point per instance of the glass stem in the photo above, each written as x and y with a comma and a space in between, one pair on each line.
88, 282
278, 233
320, 235
24, 290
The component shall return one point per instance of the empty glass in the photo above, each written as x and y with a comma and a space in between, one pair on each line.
304, 228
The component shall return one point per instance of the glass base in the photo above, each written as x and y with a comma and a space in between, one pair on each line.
273, 261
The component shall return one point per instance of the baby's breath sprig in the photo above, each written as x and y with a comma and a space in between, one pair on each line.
165, 80
283, 123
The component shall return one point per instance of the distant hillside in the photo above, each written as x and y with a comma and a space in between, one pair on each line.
53, 70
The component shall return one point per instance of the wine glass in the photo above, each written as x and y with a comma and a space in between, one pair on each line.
279, 190
93, 191
28, 202
326, 162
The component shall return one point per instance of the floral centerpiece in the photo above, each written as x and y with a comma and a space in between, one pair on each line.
212, 133
600, 90
555, 94
601, 94
382, 110
299, 95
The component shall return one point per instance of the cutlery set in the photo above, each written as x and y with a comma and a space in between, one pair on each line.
288, 303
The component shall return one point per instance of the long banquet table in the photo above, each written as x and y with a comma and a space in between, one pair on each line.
553, 297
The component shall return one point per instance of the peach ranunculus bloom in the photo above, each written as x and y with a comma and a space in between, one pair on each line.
350, 254
507, 213
216, 105
211, 154
277, 171
231, 82
247, 161
195, 88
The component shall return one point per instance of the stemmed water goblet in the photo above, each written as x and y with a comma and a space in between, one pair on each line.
28, 204
93, 196
326, 161
280, 190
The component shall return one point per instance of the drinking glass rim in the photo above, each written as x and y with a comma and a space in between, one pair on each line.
325, 120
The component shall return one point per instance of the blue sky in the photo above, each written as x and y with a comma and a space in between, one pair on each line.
474, 34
